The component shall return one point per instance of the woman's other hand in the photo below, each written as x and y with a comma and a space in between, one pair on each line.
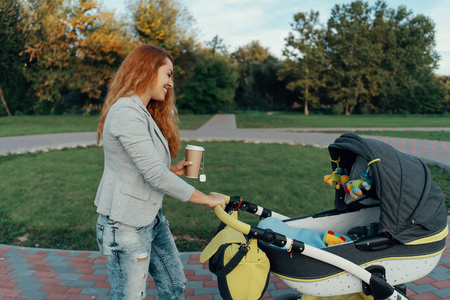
179, 168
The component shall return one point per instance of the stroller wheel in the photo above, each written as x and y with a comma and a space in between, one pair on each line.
288, 297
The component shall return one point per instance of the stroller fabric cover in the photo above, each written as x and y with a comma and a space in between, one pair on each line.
412, 205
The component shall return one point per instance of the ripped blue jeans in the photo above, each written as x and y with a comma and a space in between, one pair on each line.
133, 252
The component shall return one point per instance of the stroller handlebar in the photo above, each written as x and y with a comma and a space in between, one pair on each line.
266, 235
230, 221
240, 204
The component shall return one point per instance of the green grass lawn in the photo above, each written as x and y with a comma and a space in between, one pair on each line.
296, 120
48, 197
40, 192
29, 125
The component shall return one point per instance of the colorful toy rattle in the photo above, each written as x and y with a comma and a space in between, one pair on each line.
354, 187
339, 175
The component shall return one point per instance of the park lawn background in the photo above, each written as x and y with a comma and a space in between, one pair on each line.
41, 191
360, 124
47, 198
30, 125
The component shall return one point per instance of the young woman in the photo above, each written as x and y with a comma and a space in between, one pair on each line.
140, 136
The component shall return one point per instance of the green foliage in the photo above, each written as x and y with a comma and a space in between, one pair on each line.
59, 56
167, 25
212, 86
337, 109
262, 89
154, 22
409, 59
305, 58
445, 80
217, 46
354, 55
258, 87
74, 47
371, 59
13, 35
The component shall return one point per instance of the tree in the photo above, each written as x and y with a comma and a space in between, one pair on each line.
257, 75
165, 24
185, 60
428, 96
12, 37
162, 23
305, 60
75, 47
217, 46
409, 59
354, 55
445, 80
252, 52
212, 85
154, 22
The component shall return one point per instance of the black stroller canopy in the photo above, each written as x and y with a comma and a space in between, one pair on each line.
412, 205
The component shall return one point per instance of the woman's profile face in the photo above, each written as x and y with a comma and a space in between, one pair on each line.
164, 81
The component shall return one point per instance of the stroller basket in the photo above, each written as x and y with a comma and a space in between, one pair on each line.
404, 202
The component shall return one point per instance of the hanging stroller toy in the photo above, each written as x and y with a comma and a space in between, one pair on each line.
353, 187
372, 242
338, 175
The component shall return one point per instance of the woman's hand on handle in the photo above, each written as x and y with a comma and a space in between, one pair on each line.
217, 199
211, 200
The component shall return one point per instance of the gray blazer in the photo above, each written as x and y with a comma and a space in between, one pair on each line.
137, 160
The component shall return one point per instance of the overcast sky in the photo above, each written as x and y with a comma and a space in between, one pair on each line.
238, 22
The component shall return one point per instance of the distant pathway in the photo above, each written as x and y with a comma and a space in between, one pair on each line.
223, 128
44, 142
32, 273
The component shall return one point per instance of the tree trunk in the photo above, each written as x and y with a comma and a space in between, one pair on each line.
352, 107
8, 113
306, 101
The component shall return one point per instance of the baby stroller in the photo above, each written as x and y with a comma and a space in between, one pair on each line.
389, 234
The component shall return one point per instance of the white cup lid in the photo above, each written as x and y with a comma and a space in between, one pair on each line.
197, 148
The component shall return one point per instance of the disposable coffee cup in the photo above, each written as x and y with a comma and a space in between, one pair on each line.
194, 154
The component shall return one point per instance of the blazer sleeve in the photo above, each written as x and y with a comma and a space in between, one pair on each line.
130, 127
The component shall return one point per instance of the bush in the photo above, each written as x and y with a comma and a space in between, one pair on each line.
337, 109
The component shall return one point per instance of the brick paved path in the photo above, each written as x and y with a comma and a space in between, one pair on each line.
31, 273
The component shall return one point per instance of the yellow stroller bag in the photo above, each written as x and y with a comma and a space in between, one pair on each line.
242, 269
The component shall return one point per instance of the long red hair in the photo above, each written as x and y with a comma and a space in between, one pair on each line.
137, 71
